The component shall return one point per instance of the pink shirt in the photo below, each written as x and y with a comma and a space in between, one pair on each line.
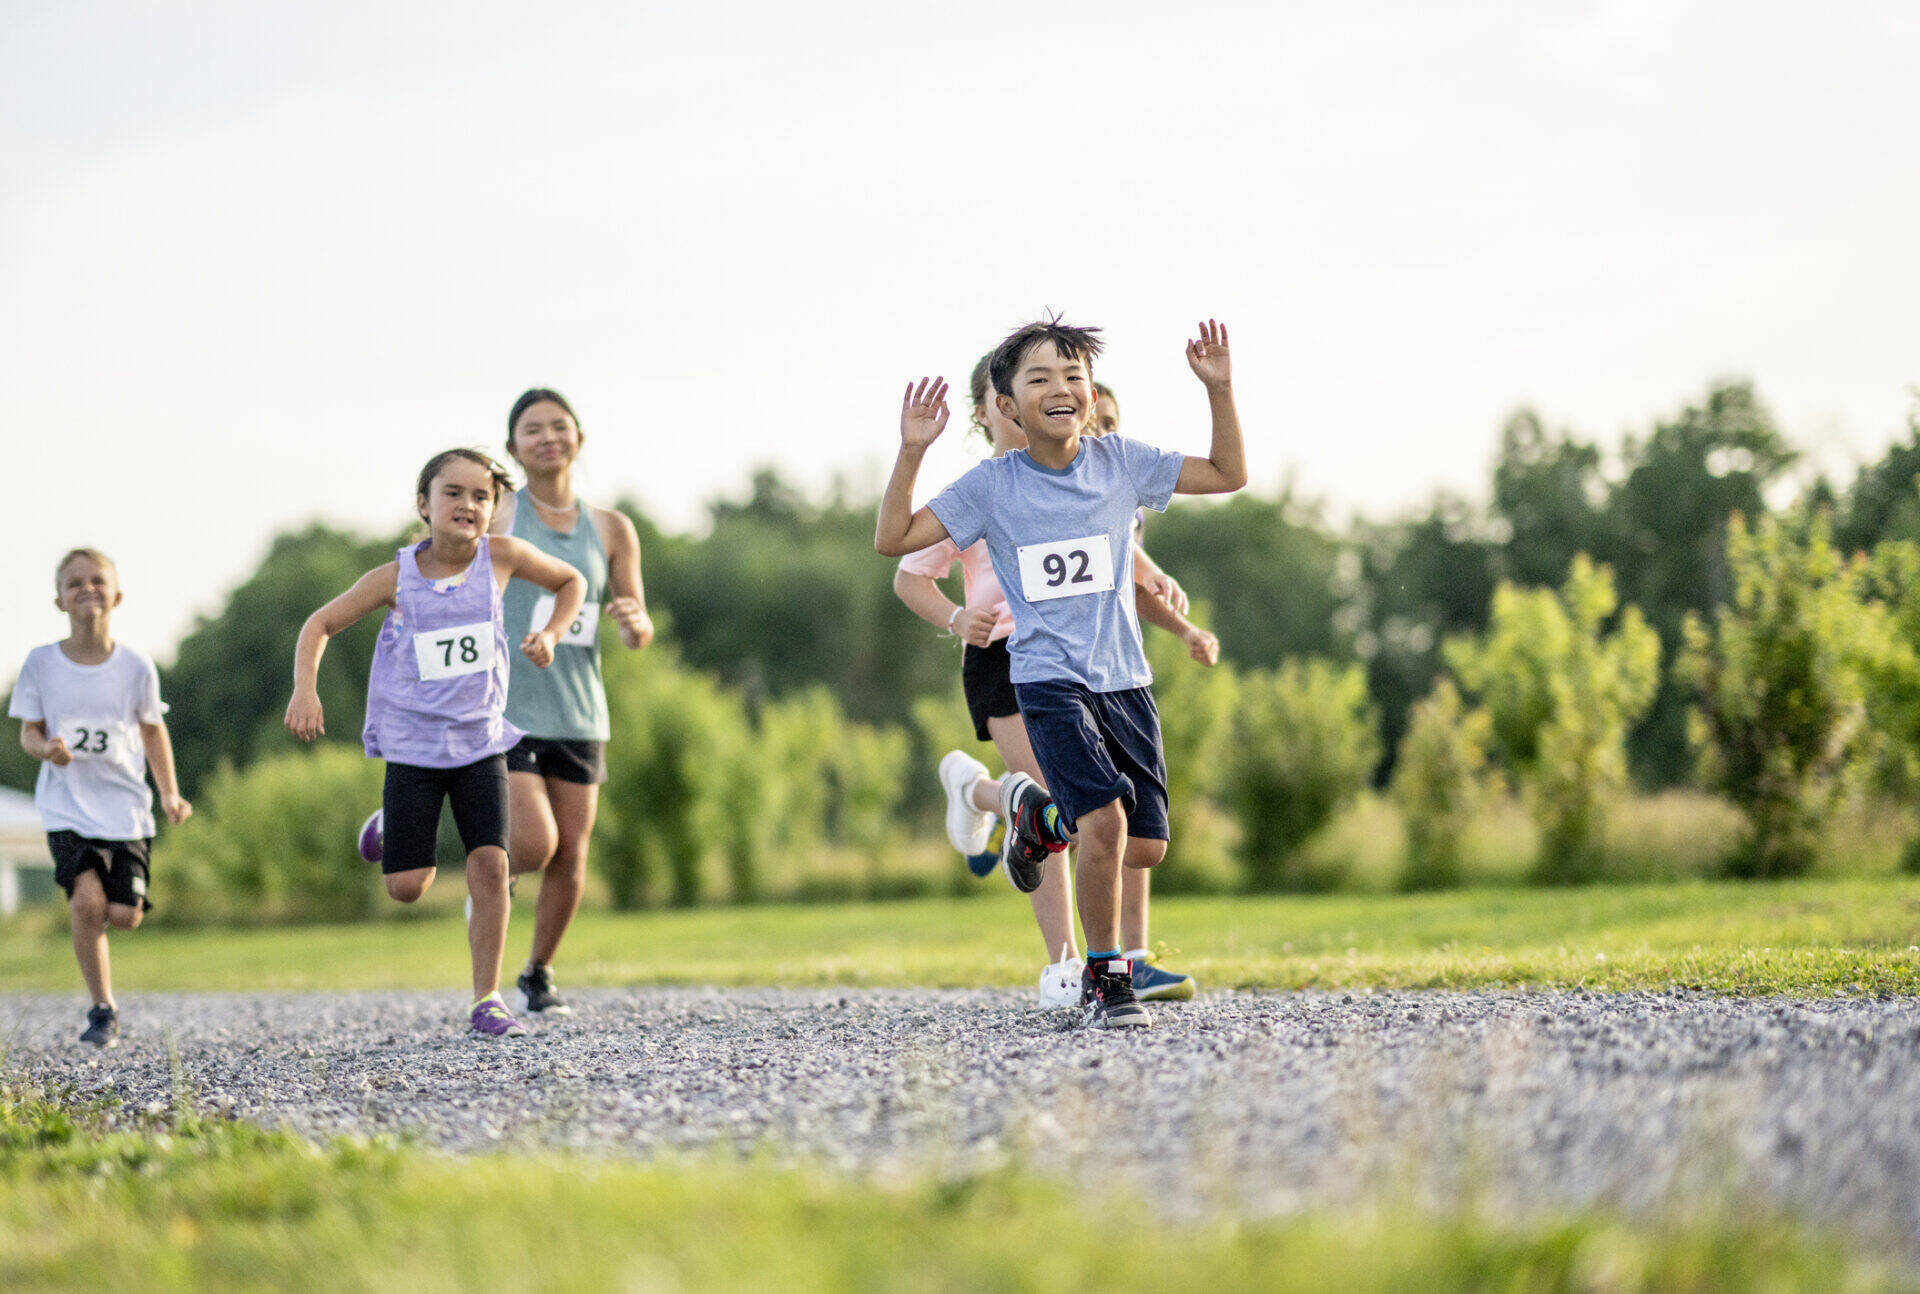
981, 587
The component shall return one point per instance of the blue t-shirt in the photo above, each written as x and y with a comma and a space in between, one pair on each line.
1062, 544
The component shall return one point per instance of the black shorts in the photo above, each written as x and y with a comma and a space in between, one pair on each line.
412, 801
986, 677
1098, 747
121, 864
584, 762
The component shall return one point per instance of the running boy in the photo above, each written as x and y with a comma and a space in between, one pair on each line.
1058, 521
437, 697
91, 711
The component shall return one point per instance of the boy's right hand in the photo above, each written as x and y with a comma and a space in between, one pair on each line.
305, 719
57, 753
923, 413
976, 625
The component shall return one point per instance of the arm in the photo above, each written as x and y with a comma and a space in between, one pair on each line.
517, 559
923, 416
159, 748
34, 740
1224, 469
628, 605
370, 592
924, 598
1201, 645
1147, 575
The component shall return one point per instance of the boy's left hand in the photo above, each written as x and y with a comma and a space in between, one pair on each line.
538, 647
1209, 358
176, 808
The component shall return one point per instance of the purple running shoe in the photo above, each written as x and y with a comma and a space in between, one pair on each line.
373, 844
491, 1017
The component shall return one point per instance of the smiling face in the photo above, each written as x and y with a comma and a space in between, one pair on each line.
545, 438
86, 587
458, 504
1052, 396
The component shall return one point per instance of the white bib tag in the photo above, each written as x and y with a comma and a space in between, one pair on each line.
447, 653
98, 737
583, 632
1066, 568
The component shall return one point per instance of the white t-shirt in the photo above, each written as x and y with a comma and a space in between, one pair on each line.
97, 710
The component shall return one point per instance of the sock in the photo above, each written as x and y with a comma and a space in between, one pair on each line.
488, 998
1053, 832
1136, 954
1093, 956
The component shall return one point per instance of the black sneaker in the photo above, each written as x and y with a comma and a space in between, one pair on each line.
537, 995
1023, 850
1106, 996
103, 1027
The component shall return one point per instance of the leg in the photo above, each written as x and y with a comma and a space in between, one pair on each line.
532, 834
1101, 836
574, 808
487, 928
88, 911
123, 916
1136, 884
410, 805
408, 886
1053, 901
986, 791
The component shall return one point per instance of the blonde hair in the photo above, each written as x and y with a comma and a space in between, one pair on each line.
91, 554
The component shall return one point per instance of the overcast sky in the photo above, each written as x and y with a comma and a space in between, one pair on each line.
259, 261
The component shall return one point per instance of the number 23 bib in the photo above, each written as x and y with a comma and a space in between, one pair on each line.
1066, 568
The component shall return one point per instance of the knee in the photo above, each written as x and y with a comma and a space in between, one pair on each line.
407, 887
487, 868
1142, 854
122, 917
533, 850
1102, 834
569, 860
88, 907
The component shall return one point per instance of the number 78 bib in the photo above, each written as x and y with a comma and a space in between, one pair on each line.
460, 649
1066, 568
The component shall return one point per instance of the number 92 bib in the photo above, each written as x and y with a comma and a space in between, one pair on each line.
1066, 568
450, 652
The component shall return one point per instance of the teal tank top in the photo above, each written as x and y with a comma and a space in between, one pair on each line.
566, 700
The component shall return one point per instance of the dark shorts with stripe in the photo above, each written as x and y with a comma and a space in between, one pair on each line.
1098, 747
122, 865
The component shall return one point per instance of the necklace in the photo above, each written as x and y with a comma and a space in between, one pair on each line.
552, 507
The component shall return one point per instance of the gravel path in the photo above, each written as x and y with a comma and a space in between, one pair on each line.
1237, 1101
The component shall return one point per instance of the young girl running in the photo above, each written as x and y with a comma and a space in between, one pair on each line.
90, 709
554, 773
437, 695
984, 623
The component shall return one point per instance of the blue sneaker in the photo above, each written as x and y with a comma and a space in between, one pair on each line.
1152, 984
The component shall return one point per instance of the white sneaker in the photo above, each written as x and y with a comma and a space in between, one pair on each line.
967, 826
1060, 982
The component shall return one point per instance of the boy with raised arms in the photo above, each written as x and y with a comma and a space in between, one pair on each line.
1058, 521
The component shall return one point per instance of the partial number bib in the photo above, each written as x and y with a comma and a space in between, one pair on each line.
451, 652
96, 738
583, 632
1066, 568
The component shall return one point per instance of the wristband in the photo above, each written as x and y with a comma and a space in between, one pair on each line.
955, 616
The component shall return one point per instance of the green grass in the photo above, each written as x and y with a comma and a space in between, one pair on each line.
1816, 936
186, 1202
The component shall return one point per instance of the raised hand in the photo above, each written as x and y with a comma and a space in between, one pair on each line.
636, 626
923, 413
1208, 356
538, 647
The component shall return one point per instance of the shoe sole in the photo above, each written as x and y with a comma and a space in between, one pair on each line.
1180, 992
103, 1046
952, 764
559, 1008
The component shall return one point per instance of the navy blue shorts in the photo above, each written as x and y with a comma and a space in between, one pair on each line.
1098, 747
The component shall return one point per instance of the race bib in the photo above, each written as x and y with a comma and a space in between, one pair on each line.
448, 653
1066, 568
95, 738
583, 632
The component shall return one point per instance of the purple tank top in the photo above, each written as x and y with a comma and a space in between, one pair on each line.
437, 696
